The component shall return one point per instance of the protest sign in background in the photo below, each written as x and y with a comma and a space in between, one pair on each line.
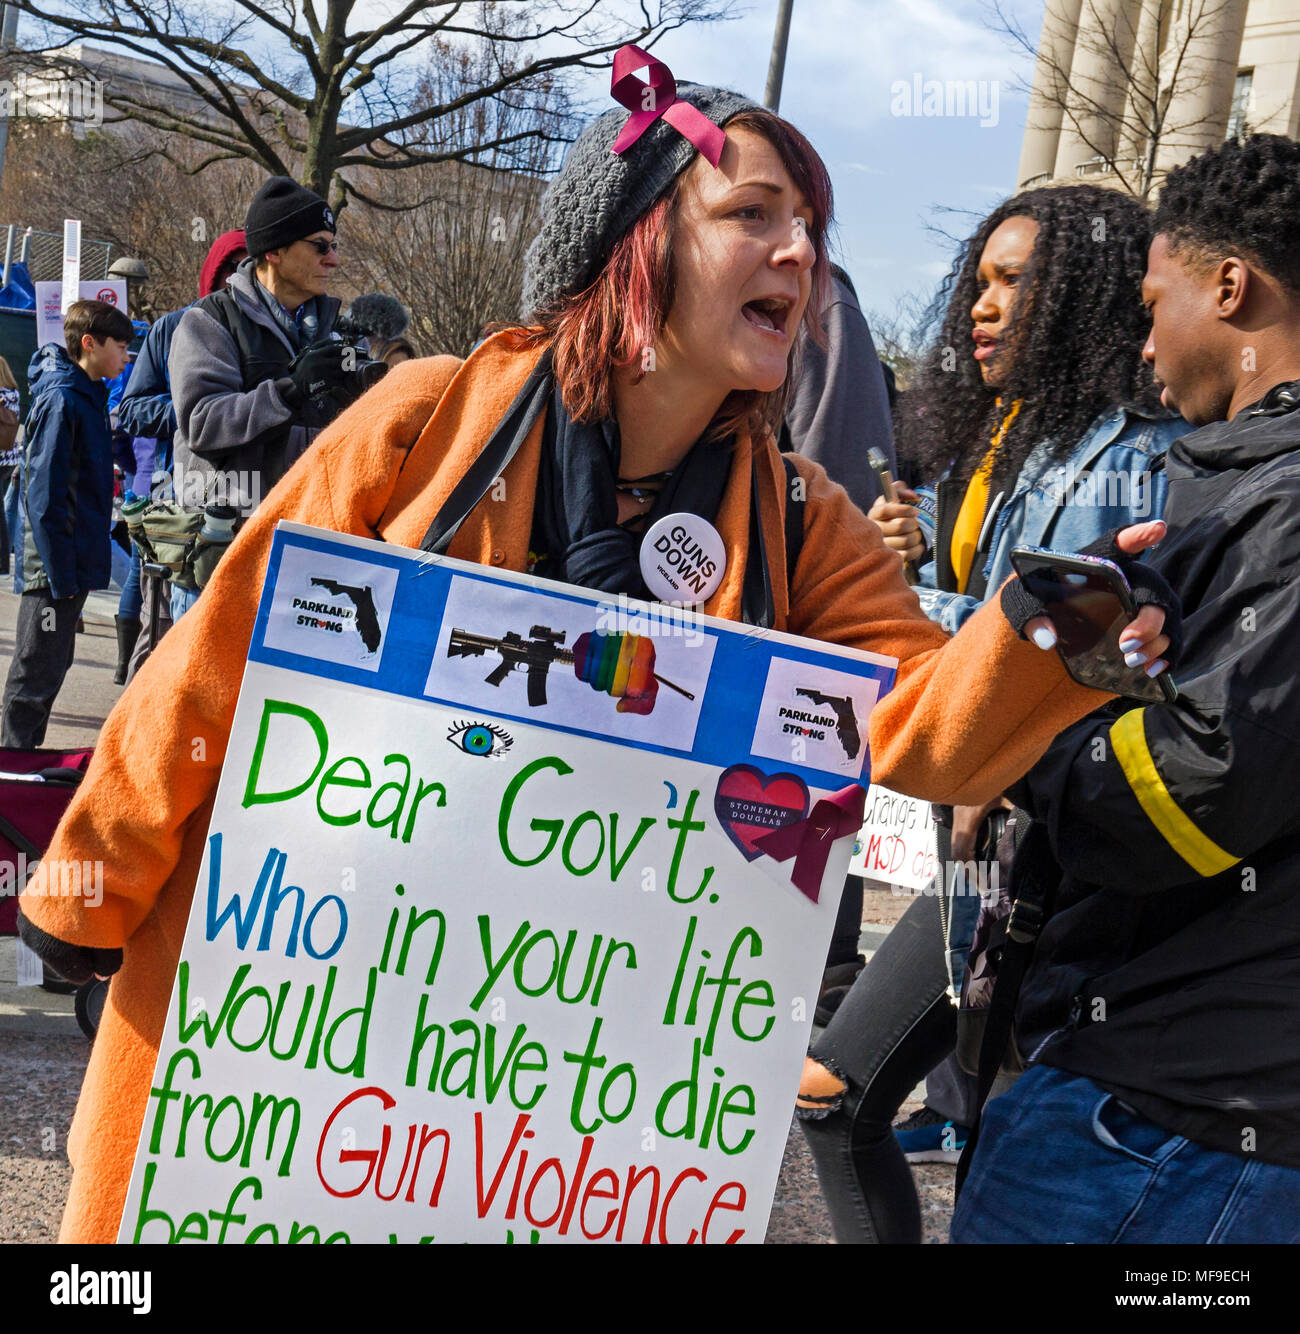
897, 841
488, 962
49, 304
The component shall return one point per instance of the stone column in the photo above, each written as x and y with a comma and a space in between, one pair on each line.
1202, 99
1098, 83
1043, 124
1139, 104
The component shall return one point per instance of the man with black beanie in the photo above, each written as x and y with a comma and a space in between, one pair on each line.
254, 372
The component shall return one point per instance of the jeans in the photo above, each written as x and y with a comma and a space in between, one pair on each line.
132, 599
12, 502
120, 562
1061, 1160
894, 1026
182, 599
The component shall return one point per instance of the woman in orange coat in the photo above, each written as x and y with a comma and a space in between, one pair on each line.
668, 287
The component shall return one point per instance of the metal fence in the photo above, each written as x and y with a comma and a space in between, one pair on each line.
42, 252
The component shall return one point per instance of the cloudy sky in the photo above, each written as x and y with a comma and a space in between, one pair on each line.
844, 61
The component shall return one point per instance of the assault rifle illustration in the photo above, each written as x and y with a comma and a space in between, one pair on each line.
846, 722
619, 664
363, 600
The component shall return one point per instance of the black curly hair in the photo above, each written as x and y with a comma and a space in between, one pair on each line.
1241, 198
1076, 336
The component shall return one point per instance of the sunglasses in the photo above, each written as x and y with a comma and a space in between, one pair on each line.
321, 247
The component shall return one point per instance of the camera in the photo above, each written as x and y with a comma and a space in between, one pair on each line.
368, 373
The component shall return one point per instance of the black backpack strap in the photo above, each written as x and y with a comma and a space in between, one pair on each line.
221, 306
795, 503
493, 459
1034, 884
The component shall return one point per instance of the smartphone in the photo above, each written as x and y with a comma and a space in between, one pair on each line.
1090, 603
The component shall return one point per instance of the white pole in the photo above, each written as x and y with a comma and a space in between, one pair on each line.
71, 263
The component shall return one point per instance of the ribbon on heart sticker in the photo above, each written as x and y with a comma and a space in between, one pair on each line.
750, 804
809, 841
658, 97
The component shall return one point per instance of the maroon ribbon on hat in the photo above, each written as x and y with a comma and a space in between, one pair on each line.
809, 841
658, 97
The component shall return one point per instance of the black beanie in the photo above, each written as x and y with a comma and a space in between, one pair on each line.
283, 212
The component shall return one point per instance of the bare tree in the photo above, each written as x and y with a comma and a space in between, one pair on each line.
159, 212
1138, 84
288, 85
899, 333
448, 238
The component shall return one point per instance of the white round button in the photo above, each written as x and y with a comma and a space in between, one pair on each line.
683, 559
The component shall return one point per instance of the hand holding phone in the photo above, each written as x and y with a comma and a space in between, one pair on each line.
1091, 607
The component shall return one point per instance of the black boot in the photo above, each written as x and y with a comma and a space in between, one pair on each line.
128, 631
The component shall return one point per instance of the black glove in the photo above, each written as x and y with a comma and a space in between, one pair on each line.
316, 372
1149, 586
78, 963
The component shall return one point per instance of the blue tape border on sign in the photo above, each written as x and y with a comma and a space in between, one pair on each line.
415, 622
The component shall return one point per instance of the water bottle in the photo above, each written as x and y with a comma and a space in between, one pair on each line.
133, 508
214, 537
219, 524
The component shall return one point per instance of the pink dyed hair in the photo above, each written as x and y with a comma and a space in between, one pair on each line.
606, 326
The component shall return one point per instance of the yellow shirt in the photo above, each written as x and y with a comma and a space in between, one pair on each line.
970, 518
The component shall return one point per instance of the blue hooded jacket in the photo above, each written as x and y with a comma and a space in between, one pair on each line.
67, 480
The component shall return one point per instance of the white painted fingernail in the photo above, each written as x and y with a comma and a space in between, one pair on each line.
1157, 667
1128, 645
1044, 637
1134, 659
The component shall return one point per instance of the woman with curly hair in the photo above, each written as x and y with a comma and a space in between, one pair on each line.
1035, 411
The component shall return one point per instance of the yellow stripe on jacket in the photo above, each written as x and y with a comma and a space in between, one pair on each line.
1193, 845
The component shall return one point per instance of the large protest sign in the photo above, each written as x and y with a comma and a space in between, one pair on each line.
513, 911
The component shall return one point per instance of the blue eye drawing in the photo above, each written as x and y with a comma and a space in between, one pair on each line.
481, 739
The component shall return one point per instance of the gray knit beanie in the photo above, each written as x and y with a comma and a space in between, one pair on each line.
599, 194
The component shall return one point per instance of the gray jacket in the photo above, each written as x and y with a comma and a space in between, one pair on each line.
233, 444
838, 407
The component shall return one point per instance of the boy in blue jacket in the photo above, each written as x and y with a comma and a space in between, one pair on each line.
62, 549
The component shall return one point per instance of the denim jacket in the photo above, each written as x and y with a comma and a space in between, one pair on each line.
1114, 477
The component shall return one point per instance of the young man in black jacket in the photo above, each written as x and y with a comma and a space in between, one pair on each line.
1161, 1012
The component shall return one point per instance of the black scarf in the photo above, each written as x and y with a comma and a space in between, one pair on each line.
576, 532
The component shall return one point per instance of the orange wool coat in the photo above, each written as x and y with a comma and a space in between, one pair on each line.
966, 717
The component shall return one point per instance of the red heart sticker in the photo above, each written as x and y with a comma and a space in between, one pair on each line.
750, 804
